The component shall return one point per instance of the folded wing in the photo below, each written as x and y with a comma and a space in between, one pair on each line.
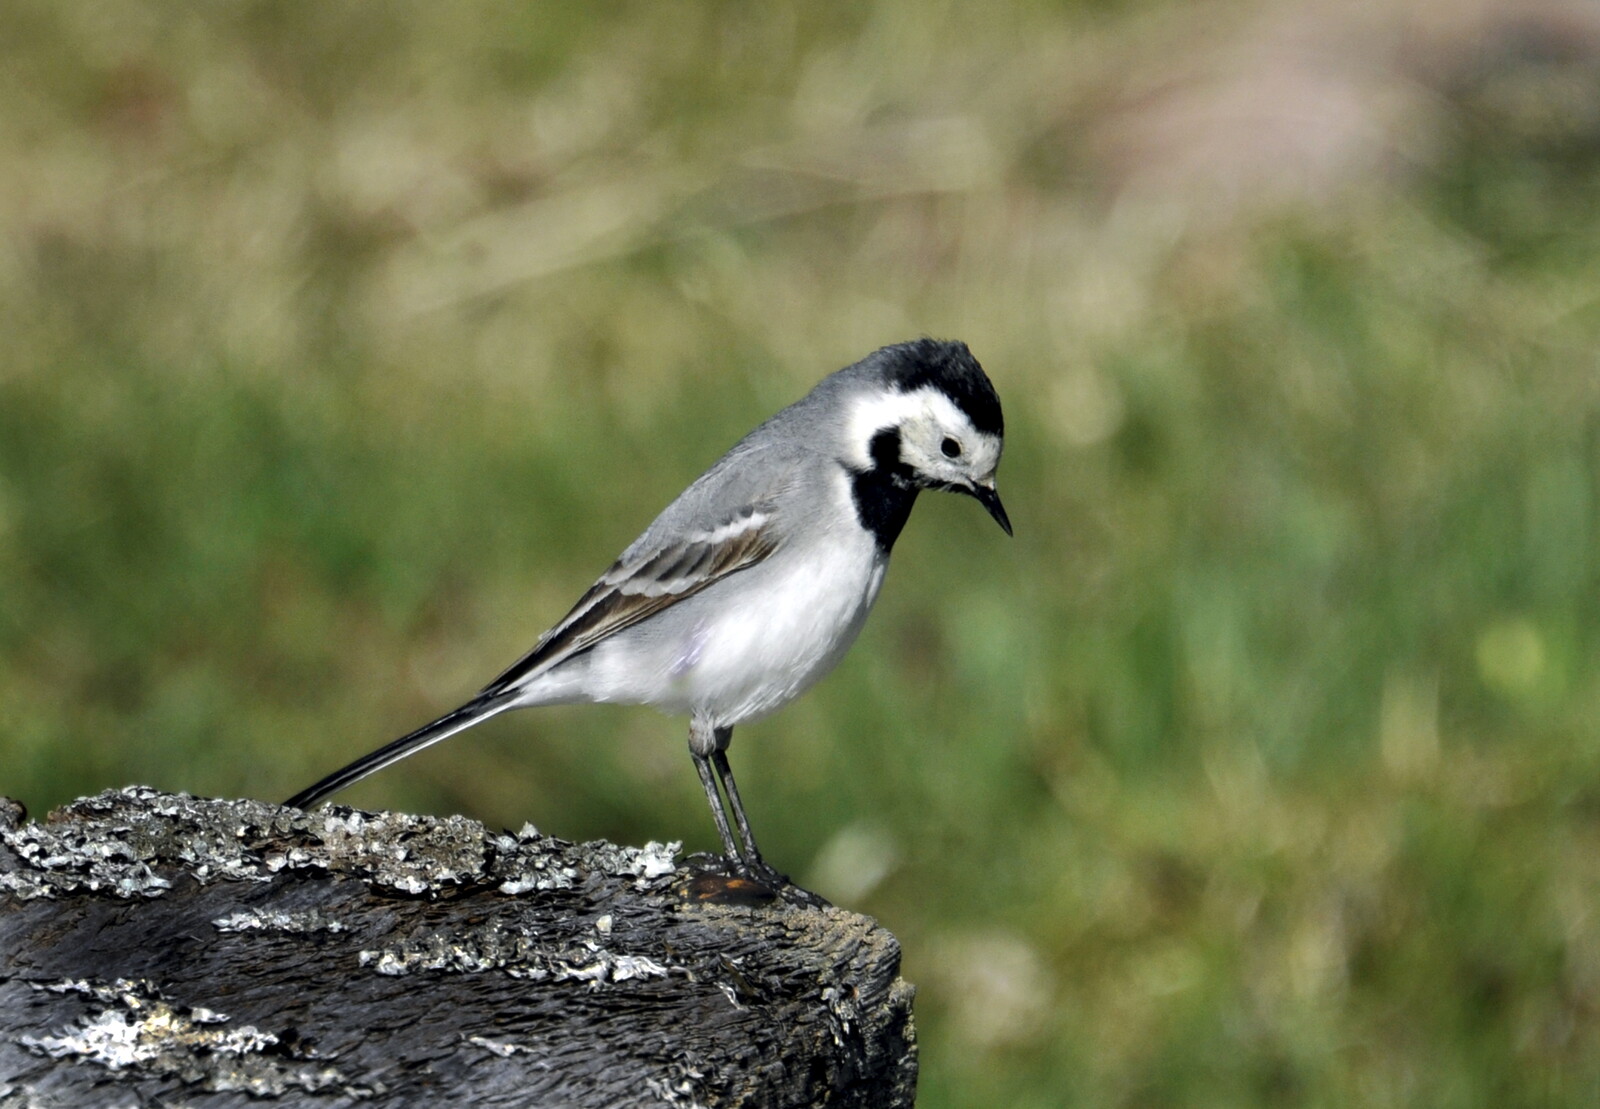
641, 584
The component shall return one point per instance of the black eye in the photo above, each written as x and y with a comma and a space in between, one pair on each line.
951, 448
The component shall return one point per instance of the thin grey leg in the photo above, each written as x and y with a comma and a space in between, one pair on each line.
709, 746
703, 765
703, 741
719, 762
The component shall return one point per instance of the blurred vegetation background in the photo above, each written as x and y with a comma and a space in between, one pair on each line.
344, 344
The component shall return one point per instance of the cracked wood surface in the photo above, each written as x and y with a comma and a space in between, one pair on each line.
158, 949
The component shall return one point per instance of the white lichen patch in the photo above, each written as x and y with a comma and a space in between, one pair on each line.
595, 965
278, 920
113, 842
491, 947
130, 843
497, 1047
134, 1027
653, 860
656, 860
411, 854
115, 1039
530, 871
125, 991
495, 947
55, 866
527, 862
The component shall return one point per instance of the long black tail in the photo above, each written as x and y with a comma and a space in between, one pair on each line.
479, 708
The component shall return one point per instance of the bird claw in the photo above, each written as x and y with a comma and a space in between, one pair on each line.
721, 879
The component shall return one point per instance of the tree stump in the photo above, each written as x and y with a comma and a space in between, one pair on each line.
160, 949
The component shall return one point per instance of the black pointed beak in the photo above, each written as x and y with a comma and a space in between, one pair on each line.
990, 499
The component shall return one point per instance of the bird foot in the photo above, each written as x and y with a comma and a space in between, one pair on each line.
723, 880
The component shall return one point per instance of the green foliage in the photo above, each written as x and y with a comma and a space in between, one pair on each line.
346, 344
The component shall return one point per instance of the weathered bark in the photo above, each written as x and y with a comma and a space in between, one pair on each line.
159, 949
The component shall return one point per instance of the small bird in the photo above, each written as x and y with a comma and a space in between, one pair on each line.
753, 583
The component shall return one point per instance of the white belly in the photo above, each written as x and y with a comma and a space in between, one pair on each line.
751, 643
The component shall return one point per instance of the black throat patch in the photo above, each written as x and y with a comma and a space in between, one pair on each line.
884, 494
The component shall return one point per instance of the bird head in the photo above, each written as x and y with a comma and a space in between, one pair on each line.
934, 422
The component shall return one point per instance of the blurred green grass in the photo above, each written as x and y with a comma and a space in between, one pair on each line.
346, 344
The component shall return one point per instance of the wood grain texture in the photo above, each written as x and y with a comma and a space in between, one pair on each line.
165, 950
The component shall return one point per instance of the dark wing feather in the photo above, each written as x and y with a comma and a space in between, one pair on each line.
633, 591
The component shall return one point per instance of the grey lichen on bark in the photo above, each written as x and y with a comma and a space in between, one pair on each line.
160, 949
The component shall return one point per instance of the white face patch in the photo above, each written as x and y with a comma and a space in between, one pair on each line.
872, 413
925, 417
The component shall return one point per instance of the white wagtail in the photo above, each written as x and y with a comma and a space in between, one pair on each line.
753, 583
